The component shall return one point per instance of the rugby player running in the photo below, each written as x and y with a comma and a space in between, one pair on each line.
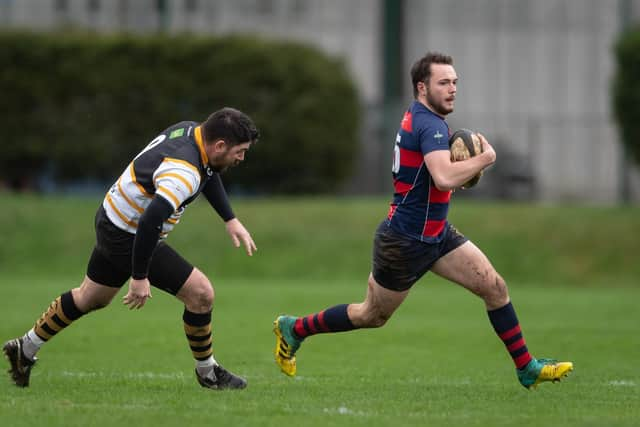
416, 237
131, 224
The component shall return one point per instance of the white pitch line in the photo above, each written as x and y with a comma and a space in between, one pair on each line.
100, 374
622, 383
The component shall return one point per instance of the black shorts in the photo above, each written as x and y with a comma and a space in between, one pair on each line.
400, 261
110, 262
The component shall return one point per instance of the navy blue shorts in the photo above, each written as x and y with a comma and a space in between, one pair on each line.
400, 261
110, 262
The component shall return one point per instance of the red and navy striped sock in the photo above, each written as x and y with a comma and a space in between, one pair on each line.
505, 323
334, 319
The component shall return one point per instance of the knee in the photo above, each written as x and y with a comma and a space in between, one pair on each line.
374, 318
84, 303
97, 305
379, 319
200, 295
495, 291
86, 300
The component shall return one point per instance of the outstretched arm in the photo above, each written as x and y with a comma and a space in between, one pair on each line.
217, 196
239, 234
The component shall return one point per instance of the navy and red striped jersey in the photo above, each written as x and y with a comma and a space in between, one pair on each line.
418, 209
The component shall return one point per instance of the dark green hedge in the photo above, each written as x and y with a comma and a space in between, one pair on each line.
81, 105
626, 90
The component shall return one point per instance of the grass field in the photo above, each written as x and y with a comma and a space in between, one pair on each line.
574, 283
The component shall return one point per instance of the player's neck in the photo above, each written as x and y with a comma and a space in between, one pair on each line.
423, 100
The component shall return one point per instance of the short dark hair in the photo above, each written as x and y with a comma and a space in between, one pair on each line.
231, 125
421, 69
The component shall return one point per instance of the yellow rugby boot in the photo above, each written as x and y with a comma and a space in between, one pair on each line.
541, 370
286, 344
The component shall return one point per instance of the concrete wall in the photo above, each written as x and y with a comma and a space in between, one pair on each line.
534, 75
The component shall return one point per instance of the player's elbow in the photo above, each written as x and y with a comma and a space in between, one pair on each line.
443, 183
447, 187
441, 178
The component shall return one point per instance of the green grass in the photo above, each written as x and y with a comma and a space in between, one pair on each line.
573, 280
320, 238
437, 362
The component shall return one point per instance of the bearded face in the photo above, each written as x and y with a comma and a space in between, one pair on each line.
441, 89
226, 156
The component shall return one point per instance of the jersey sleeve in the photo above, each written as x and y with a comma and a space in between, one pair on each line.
217, 196
176, 180
149, 227
434, 136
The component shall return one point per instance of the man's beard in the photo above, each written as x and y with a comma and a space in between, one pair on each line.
225, 167
220, 168
438, 107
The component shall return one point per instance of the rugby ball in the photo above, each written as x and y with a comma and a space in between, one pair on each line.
463, 145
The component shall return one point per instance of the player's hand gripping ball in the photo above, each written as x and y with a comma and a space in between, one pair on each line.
463, 145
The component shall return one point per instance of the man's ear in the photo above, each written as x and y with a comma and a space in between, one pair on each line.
422, 86
220, 146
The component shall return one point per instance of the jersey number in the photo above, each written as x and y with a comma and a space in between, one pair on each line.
152, 144
395, 167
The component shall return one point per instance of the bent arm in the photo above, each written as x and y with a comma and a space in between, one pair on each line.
217, 196
448, 175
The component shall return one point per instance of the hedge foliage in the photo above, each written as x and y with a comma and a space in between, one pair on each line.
82, 105
626, 90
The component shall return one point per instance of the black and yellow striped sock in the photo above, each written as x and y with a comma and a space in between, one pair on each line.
60, 314
197, 327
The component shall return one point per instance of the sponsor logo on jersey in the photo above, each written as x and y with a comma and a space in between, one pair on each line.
176, 133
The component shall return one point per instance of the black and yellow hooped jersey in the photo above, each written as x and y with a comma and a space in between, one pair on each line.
173, 166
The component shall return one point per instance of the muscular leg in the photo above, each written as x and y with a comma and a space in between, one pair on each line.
197, 293
66, 309
373, 312
171, 272
377, 308
197, 296
91, 295
469, 267
63, 311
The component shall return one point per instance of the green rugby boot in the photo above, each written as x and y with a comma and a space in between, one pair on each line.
286, 344
541, 370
